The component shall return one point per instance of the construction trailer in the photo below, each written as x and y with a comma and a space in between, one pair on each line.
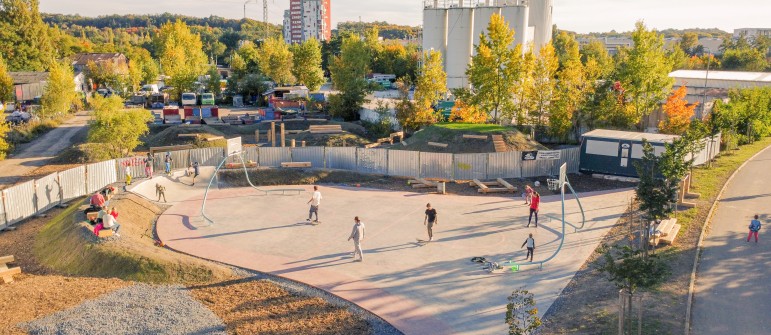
613, 152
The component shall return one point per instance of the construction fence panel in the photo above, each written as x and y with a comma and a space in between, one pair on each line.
470, 166
314, 155
19, 202
341, 158
539, 168
100, 175
73, 183
3, 218
274, 156
207, 156
250, 154
404, 163
436, 165
180, 159
504, 165
372, 161
132, 165
47, 192
571, 156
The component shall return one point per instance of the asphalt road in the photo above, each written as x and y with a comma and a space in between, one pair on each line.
733, 295
37, 153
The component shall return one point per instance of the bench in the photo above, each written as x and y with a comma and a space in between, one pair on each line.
5, 272
665, 232
438, 145
422, 183
91, 216
106, 233
475, 137
497, 186
296, 164
326, 129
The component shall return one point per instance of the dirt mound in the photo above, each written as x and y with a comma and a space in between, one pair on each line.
452, 135
170, 135
330, 140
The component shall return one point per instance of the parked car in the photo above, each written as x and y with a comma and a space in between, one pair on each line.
18, 117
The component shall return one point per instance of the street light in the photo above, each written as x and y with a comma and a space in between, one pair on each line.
246, 2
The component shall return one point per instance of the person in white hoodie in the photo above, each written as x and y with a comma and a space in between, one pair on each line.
315, 202
109, 222
357, 235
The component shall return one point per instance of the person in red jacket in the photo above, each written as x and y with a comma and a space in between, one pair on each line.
534, 203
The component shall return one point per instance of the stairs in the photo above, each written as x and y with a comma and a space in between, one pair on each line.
500, 145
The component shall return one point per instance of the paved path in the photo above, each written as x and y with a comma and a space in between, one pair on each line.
431, 289
40, 151
733, 295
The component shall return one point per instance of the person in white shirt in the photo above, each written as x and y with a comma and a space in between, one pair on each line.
530, 242
357, 234
315, 201
109, 222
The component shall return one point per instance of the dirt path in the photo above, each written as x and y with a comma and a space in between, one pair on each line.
40, 151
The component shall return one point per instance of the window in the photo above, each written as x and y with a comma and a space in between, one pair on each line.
602, 148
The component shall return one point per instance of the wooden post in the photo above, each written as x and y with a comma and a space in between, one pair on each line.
273, 133
283, 135
303, 144
257, 136
293, 143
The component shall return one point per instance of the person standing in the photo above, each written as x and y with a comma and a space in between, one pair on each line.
315, 202
357, 235
534, 204
195, 172
149, 165
528, 195
530, 243
431, 219
160, 191
167, 161
128, 175
754, 229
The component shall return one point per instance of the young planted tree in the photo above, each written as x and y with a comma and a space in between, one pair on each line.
275, 61
348, 71
495, 69
115, 129
430, 87
306, 59
521, 313
59, 94
181, 55
678, 112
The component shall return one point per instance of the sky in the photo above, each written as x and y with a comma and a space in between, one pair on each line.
582, 16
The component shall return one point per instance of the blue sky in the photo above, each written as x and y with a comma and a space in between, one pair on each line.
576, 15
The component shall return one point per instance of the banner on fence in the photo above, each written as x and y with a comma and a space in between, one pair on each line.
548, 154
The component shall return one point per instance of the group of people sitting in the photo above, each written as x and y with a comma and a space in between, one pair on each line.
104, 219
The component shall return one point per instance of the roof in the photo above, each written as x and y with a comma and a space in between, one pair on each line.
630, 135
83, 59
764, 77
20, 78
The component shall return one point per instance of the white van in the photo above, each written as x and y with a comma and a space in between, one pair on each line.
150, 89
188, 99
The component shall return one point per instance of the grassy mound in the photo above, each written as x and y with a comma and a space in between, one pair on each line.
67, 245
452, 134
330, 140
169, 135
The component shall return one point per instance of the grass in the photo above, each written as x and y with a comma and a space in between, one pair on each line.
473, 127
452, 134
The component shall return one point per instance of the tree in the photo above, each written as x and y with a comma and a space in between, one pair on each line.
24, 40
521, 313
643, 71
59, 94
306, 64
108, 74
144, 65
570, 90
5, 147
746, 59
466, 113
495, 69
181, 55
544, 84
678, 112
523, 89
6, 83
275, 61
689, 42
404, 107
116, 129
213, 82
348, 72
430, 87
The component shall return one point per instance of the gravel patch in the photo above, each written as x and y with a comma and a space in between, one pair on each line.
138, 309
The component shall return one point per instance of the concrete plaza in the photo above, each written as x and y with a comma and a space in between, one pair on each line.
420, 289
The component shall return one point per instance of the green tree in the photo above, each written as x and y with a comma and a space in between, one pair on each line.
348, 72
523, 89
306, 64
6, 83
59, 94
495, 69
24, 40
689, 42
116, 129
746, 59
238, 65
430, 87
144, 65
522, 314
213, 82
544, 85
570, 90
5, 147
644, 72
565, 47
250, 55
181, 56
275, 61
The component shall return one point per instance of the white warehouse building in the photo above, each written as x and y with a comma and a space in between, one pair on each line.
453, 28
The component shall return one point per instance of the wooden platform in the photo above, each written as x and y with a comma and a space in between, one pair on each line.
499, 144
326, 129
7, 273
296, 164
497, 186
422, 183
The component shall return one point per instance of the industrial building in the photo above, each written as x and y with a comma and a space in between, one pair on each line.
308, 19
751, 33
453, 28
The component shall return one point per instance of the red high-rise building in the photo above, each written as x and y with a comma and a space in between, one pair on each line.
307, 19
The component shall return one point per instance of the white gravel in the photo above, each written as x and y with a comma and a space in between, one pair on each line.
137, 309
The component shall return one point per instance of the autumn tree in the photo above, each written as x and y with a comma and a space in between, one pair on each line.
466, 113
59, 94
117, 129
430, 87
275, 61
107, 74
348, 72
523, 90
522, 313
24, 40
5, 147
213, 84
181, 56
6, 83
570, 89
678, 113
495, 69
544, 85
306, 64
644, 72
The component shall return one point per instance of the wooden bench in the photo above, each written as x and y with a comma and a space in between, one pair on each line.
91, 216
214, 138
422, 183
5, 272
475, 137
667, 232
106, 233
326, 129
497, 186
439, 145
296, 164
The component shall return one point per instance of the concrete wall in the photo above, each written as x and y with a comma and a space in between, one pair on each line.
518, 18
460, 37
541, 19
435, 30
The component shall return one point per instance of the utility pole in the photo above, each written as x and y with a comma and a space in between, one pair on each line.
265, 18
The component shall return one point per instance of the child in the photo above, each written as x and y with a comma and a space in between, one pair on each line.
534, 204
528, 194
128, 175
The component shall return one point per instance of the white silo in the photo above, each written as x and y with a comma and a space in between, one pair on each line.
435, 30
541, 21
460, 44
517, 18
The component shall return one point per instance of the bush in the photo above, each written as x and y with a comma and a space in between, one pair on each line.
27, 132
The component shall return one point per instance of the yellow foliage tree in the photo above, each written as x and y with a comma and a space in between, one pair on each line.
678, 112
465, 113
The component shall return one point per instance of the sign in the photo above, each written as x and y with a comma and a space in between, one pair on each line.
529, 155
548, 154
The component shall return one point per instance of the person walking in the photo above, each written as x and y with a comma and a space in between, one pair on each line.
160, 191
530, 243
431, 219
315, 202
128, 175
357, 235
149, 165
534, 204
754, 229
167, 161
528, 194
195, 172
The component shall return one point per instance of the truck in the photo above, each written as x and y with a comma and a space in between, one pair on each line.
188, 99
207, 99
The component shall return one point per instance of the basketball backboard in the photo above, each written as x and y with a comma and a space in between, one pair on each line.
234, 145
563, 174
